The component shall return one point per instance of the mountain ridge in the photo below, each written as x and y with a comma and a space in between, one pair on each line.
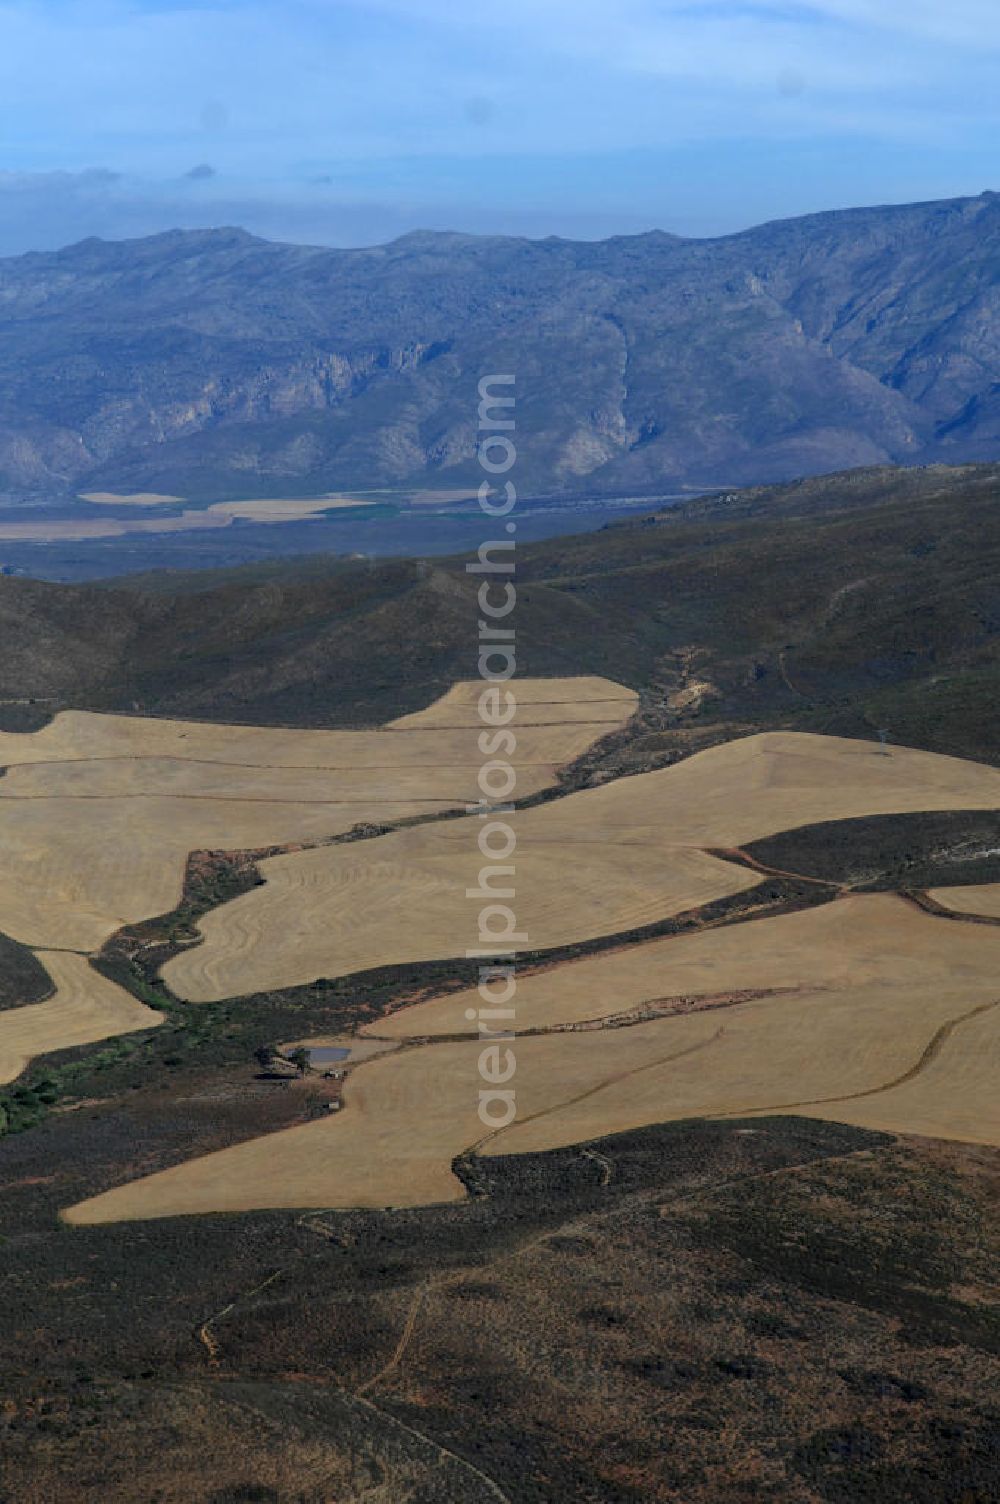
213, 363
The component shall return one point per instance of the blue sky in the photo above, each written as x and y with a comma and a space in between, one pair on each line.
346, 123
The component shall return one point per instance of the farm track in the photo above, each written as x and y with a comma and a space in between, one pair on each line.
449, 799
386, 1417
442, 1281
439, 1447
490, 1483
268, 767
689, 1197
737, 854
928, 1054
607, 1168
593, 1091
823, 890
205, 1335
786, 680
358, 1396
439, 1282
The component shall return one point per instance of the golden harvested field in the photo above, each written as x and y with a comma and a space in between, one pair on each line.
595, 863
915, 1053
85, 1008
70, 530
859, 940
953, 1094
282, 508
983, 898
439, 498
131, 499
98, 813
77, 868
405, 1118
743, 790
815, 1053
287, 508
272, 509
587, 698
545, 728
865, 1010
336, 910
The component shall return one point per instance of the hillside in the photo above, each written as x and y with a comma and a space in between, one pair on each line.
210, 362
739, 1241
842, 604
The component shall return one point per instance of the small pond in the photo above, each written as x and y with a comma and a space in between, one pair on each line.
327, 1055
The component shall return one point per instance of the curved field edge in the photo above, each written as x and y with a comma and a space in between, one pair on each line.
199, 1039
288, 931
227, 1035
879, 853
23, 979
410, 1112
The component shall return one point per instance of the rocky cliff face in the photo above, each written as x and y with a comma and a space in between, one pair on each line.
211, 362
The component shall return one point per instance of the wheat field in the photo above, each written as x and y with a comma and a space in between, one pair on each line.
597, 862
980, 898
99, 812
857, 941
868, 1024
84, 1008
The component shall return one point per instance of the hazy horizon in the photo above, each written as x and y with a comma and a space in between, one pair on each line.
221, 227
347, 124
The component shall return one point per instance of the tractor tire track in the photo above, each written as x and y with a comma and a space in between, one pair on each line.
930, 1053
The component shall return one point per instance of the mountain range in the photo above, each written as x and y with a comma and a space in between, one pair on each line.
210, 363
